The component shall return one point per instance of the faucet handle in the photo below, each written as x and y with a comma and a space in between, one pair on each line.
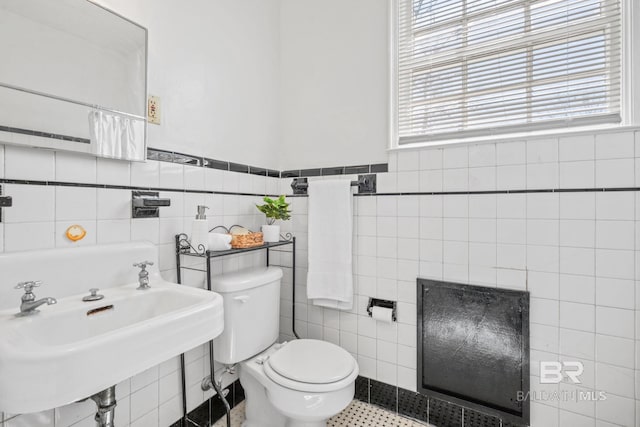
28, 286
143, 264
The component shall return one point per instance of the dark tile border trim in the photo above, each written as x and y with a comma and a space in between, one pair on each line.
235, 193
290, 174
364, 169
237, 167
531, 191
192, 160
44, 134
189, 159
310, 172
335, 170
488, 192
127, 187
403, 402
417, 406
379, 168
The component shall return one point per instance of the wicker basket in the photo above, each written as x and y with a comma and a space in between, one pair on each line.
241, 241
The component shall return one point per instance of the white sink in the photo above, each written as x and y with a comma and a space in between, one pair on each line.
63, 354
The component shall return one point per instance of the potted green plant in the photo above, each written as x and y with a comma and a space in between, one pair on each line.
274, 209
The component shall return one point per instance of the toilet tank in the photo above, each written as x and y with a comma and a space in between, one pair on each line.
251, 312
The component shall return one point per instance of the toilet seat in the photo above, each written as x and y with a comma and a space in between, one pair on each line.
311, 366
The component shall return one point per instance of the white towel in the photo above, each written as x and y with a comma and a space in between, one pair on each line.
219, 241
330, 276
116, 136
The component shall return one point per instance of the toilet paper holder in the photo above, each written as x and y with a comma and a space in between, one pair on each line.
375, 302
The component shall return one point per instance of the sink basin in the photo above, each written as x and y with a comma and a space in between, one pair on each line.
74, 349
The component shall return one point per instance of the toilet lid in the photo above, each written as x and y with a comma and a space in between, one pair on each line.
312, 361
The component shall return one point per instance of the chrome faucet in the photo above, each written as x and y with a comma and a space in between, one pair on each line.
29, 303
143, 275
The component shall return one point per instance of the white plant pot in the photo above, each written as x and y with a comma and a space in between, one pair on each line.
271, 233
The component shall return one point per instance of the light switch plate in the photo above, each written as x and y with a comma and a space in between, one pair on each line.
153, 110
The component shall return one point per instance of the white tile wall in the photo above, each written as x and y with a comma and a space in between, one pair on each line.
29, 163
113, 172
76, 168
145, 174
40, 215
575, 252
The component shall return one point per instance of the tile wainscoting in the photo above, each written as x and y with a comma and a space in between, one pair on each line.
54, 190
457, 213
528, 215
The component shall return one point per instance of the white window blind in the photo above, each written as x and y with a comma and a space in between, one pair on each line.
484, 67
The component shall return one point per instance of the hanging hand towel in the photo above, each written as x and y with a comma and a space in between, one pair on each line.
330, 276
116, 136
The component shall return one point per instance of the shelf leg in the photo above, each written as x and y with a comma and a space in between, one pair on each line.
293, 287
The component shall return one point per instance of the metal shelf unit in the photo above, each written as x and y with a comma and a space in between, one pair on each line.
183, 248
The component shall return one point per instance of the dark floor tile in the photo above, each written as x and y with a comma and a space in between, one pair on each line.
362, 389
412, 405
200, 415
177, 424
477, 419
444, 414
383, 395
238, 394
218, 410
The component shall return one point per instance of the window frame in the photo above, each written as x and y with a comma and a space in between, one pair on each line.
629, 101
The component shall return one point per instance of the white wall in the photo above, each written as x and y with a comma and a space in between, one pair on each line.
215, 66
278, 84
335, 68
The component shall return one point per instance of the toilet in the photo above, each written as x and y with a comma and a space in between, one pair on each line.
301, 383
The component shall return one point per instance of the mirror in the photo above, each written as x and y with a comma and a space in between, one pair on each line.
73, 77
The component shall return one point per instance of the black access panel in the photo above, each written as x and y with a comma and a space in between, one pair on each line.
473, 347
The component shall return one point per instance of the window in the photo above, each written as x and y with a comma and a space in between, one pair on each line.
469, 68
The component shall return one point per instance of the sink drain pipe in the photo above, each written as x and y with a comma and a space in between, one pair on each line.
210, 382
212, 379
106, 401
207, 383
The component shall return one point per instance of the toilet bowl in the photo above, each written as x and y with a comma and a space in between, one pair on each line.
301, 383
